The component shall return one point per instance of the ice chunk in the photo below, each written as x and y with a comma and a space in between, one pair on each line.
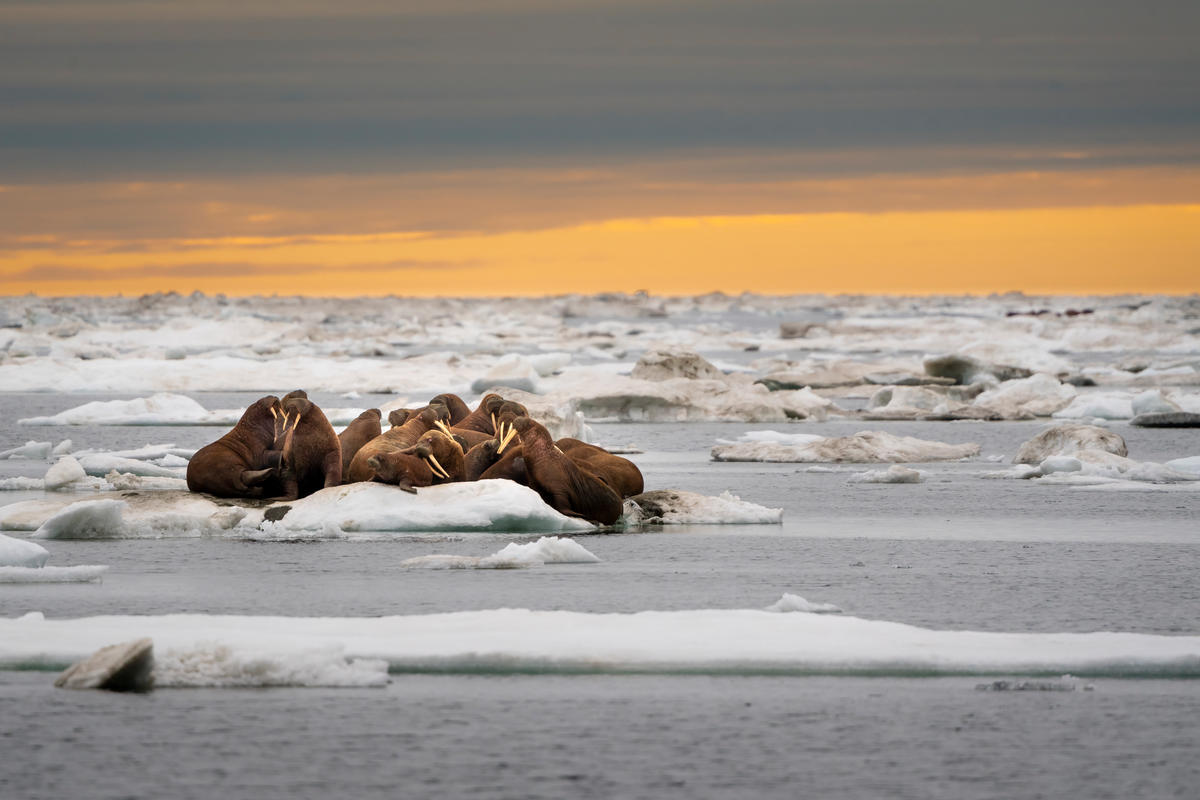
1190, 464
20, 553
674, 507
1098, 405
1153, 402
124, 667
64, 472
31, 450
893, 474
661, 365
862, 447
101, 464
546, 550
62, 448
86, 519
513, 371
794, 602
1060, 464
1068, 439
1040, 395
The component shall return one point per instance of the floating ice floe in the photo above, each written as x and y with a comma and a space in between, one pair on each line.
546, 550
1092, 467
1038, 395
512, 371
25, 562
65, 471
31, 450
20, 483
790, 603
715, 641
674, 507
861, 447
1067, 439
893, 474
1098, 405
681, 387
102, 464
20, 553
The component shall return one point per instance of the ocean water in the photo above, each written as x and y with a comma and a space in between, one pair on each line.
961, 551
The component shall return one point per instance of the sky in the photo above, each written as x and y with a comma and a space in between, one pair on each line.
482, 147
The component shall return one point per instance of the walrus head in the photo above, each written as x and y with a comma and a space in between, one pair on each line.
399, 416
454, 404
401, 469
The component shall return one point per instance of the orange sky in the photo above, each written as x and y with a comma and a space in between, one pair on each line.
1070, 232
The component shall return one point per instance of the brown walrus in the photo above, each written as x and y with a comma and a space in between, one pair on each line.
569, 488
244, 459
401, 468
621, 474
363, 429
455, 405
399, 416
393, 441
480, 419
312, 453
443, 454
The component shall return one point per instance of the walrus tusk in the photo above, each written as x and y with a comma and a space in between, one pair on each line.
274, 413
493, 422
442, 426
508, 437
438, 469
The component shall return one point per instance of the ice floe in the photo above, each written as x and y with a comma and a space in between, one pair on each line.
211, 664
20, 553
1067, 439
65, 471
163, 408
546, 550
861, 447
29, 450
674, 507
893, 474
508, 640
84, 573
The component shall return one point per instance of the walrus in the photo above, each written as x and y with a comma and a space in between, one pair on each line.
569, 488
244, 459
401, 468
455, 405
443, 454
394, 440
399, 416
480, 419
621, 474
312, 453
363, 429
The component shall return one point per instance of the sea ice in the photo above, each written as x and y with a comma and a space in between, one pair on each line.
1098, 405
1038, 395
64, 472
512, 371
893, 474
100, 465
212, 664
717, 641
1067, 439
793, 602
30, 450
674, 507
546, 550
86, 519
862, 447
20, 553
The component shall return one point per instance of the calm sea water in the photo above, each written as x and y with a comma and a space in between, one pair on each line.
957, 552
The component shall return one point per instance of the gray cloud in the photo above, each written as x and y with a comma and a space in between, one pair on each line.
126, 88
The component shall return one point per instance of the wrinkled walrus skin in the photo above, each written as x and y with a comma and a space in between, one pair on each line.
621, 474
564, 485
312, 453
365, 427
242, 461
392, 441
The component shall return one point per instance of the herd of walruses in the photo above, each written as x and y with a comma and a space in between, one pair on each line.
286, 448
